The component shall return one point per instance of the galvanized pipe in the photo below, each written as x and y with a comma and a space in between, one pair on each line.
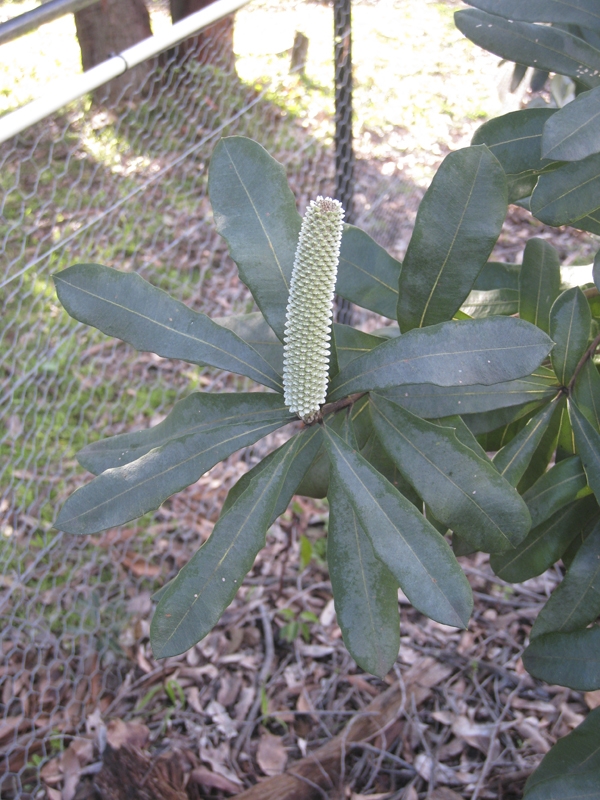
30, 20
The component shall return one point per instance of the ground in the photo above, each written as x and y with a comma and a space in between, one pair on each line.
273, 683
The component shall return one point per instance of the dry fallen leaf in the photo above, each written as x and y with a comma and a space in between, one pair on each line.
119, 733
212, 780
475, 734
428, 769
444, 793
71, 771
592, 699
271, 755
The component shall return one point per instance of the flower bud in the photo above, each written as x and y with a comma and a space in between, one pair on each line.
307, 336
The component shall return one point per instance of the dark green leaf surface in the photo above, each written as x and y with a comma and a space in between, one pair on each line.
255, 212
367, 274
556, 488
514, 458
515, 139
566, 12
587, 441
534, 45
586, 393
545, 544
428, 401
494, 429
418, 557
374, 453
194, 601
364, 590
497, 275
572, 133
571, 770
539, 282
351, 343
591, 222
546, 449
461, 487
570, 321
567, 194
568, 659
199, 412
468, 352
576, 602
495, 301
124, 305
463, 434
255, 331
121, 494
457, 225
565, 445
305, 456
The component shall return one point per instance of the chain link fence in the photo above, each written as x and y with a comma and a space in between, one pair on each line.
123, 184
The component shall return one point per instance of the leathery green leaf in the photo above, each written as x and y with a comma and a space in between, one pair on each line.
572, 767
255, 212
568, 659
572, 133
121, 494
566, 12
196, 598
587, 441
414, 552
429, 401
351, 343
498, 275
576, 601
515, 139
254, 329
461, 487
546, 449
124, 305
198, 413
367, 274
364, 590
539, 282
495, 301
568, 194
562, 484
586, 393
457, 225
535, 45
303, 459
513, 459
463, 353
545, 544
570, 321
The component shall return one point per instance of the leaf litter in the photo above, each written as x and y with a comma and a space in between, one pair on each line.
96, 715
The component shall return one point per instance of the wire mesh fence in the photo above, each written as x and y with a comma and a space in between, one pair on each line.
121, 183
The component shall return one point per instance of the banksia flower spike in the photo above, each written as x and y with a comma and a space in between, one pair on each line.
306, 348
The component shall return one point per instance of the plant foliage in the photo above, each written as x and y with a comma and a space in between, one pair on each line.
478, 357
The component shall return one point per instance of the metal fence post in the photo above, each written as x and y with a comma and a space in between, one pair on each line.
344, 155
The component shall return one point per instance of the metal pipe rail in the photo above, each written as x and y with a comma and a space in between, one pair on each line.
62, 92
30, 20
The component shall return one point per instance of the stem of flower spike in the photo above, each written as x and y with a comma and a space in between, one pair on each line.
307, 338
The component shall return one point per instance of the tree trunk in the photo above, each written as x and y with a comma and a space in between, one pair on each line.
105, 29
211, 46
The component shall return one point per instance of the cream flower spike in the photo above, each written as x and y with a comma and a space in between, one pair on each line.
306, 348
